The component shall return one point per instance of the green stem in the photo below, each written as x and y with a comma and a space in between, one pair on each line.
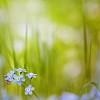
25, 53
36, 95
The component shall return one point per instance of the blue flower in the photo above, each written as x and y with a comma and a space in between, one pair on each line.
53, 98
31, 75
85, 97
9, 76
5, 95
29, 90
20, 70
95, 94
18, 79
69, 96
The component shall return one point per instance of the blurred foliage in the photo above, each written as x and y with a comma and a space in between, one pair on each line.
56, 56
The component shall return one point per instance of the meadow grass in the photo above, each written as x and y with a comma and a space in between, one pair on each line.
46, 62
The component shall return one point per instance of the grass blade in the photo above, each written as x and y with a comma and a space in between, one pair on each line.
25, 53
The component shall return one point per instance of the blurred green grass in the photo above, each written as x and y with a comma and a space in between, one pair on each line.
57, 57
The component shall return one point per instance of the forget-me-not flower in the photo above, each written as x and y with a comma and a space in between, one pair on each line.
9, 76
18, 79
85, 97
20, 70
54, 97
69, 96
29, 90
94, 94
31, 75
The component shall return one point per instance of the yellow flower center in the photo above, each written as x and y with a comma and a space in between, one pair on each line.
18, 79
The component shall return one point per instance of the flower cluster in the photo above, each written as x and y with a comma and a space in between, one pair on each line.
18, 76
94, 94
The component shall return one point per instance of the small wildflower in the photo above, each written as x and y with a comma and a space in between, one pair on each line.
20, 70
18, 79
94, 94
9, 76
7, 81
15, 79
69, 96
31, 75
29, 90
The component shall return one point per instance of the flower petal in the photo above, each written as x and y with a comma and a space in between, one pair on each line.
30, 92
15, 76
19, 83
32, 88
14, 81
26, 93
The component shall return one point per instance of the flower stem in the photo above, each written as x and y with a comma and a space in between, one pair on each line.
36, 95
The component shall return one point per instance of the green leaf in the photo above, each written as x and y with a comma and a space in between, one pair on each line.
87, 85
